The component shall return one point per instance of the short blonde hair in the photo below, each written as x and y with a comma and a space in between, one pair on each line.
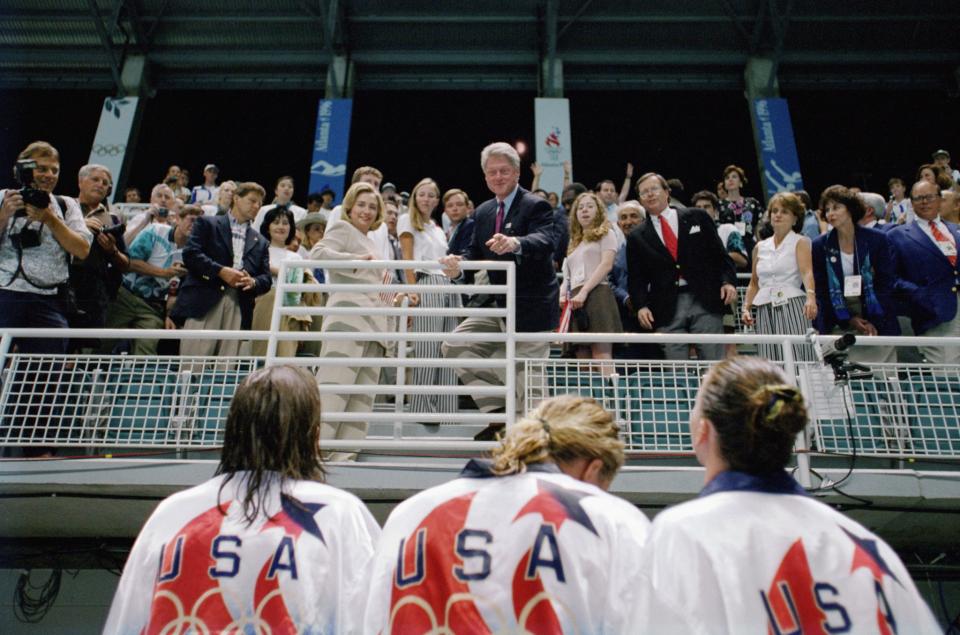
560, 430
39, 150
366, 169
351, 197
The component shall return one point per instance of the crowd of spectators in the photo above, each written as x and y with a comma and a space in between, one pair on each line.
208, 257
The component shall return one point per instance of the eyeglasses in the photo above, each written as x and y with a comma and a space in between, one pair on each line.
650, 191
926, 198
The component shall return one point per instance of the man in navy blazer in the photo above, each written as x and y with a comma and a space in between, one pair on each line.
515, 226
228, 266
461, 238
928, 279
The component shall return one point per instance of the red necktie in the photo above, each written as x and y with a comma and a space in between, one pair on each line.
669, 238
940, 238
499, 217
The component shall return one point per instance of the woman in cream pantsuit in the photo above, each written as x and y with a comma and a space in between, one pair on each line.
348, 240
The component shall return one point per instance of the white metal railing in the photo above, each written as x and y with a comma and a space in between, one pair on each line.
905, 410
402, 336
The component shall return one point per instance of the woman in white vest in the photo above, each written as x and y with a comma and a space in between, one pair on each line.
781, 287
421, 239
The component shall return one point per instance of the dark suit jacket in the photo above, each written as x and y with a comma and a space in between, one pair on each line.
208, 250
826, 253
530, 219
462, 239
702, 261
561, 234
926, 282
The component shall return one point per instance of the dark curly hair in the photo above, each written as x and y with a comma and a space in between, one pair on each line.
846, 197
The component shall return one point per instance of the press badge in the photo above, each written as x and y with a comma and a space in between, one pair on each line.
948, 249
779, 297
852, 286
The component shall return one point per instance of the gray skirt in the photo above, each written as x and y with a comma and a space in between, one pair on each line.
601, 308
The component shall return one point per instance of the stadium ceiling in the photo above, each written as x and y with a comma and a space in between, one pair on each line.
477, 45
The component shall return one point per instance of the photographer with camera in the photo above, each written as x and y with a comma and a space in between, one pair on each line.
38, 234
162, 201
96, 279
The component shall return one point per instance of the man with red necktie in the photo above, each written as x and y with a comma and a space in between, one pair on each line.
513, 226
927, 273
678, 272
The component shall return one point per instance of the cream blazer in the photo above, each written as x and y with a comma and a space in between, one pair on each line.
343, 241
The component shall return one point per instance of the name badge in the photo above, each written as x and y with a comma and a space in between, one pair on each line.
948, 248
779, 297
852, 286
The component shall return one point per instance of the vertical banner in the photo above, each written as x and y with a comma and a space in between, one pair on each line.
113, 136
554, 145
776, 147
329, 166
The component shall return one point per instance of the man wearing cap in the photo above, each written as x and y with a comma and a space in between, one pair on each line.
311, 229
942, 158
206, 193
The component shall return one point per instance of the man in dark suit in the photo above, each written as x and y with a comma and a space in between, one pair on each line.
678, 271
927, 273
514, 226
228, 265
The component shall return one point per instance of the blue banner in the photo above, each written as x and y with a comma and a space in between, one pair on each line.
329, 165
776, 147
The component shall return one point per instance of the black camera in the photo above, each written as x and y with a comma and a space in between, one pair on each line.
114, 230
25, 239
162, 212
23, 173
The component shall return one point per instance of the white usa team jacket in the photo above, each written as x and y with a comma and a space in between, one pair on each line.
757, 555
303, 566
539, 552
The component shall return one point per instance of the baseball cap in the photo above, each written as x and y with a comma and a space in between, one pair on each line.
940, 153
388, 186
212, 167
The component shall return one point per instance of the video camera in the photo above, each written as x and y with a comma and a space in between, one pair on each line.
836, 355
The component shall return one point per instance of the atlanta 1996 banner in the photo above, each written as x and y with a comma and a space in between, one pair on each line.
554, 145
330, 145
